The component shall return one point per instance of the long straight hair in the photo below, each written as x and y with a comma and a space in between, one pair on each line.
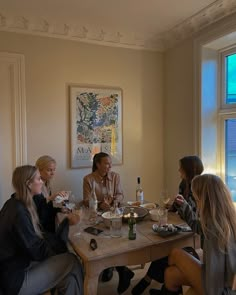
192, 166
21, 178
216, 208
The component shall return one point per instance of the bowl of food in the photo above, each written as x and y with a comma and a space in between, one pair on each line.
154, 214
165, 230
148, 206
134, 203
139, 213
107, 216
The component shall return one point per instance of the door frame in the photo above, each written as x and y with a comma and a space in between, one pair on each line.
17, 80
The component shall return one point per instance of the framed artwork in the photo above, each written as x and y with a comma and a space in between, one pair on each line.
95, 123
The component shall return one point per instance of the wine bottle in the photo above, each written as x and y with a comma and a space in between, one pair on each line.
93, 204
139, 191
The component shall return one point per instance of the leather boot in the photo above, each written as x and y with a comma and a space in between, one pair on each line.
125, 276
165, 291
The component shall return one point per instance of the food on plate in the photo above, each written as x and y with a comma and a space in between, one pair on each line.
165, 228
148, 206
133, 203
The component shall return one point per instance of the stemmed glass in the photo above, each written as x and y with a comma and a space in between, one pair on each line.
81, 211
165, 198
108, 196
70, 203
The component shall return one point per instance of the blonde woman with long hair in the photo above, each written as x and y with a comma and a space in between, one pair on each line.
44, 201
28, 265
218, 223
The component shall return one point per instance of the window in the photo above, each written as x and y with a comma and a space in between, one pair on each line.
230, 78
230, 155
227, 112
218, 112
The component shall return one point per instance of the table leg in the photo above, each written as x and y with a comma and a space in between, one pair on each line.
90, 285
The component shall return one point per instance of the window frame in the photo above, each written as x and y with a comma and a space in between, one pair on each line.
225, 111
223, 54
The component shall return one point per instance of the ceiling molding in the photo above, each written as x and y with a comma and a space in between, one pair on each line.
207, 16
88, 34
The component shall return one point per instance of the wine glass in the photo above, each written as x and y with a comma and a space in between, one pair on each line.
107, 196
82, 212
164, 198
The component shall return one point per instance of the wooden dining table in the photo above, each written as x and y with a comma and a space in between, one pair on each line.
110, 252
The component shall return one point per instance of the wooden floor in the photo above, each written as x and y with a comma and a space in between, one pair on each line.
110, 288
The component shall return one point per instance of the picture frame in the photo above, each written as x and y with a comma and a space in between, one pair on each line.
95, 123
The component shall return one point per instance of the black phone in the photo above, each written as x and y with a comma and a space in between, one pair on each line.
93, 230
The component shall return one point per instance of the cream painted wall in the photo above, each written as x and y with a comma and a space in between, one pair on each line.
178, 110
53, 63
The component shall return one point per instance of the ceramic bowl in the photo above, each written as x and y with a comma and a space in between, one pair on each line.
107, 216
139, 213
154, 214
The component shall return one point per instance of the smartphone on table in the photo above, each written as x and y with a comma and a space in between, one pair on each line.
93, 230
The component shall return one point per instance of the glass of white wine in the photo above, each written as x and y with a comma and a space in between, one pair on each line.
164, 198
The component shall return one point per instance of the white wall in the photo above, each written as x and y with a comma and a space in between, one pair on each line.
51, 64
178, 110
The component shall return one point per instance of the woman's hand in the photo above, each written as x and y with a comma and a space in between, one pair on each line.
73, 218
62, 194
104, 206
179, 200
65, 210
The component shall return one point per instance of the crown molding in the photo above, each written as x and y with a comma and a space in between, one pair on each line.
89, 34
77, 32
197, 22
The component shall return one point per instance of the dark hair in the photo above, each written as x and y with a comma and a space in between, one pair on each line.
97, 159
192, 166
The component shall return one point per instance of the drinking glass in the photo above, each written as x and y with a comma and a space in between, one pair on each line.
79, 211
162, 216
116, 226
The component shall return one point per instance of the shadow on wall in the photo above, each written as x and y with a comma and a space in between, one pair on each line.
1, 196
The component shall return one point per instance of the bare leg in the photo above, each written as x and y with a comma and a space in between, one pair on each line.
183, 270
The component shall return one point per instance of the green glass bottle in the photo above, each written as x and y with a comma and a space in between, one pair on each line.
132, 225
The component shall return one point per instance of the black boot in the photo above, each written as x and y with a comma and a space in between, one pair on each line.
140, 287
164, 291
125, 276
155, 292
107, 274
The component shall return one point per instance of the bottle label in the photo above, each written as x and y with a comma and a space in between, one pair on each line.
140, 196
